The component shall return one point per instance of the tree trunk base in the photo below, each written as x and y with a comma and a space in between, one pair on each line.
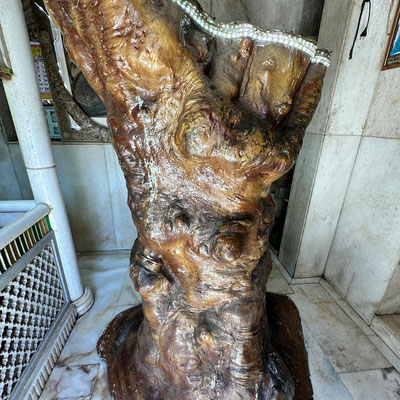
119, 340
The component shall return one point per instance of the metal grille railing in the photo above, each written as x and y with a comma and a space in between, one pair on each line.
13, 251
33, 301
29, 305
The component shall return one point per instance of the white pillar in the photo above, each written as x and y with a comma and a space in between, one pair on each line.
27, 111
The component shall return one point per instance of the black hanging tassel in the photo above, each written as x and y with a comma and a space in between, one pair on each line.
365, 31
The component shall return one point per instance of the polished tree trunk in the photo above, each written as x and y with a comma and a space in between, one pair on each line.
201, 129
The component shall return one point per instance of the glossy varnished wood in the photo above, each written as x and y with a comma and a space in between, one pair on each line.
201, 130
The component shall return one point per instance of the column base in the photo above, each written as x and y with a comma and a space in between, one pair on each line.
85, 302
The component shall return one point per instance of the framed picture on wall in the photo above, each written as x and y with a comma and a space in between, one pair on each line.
392, 58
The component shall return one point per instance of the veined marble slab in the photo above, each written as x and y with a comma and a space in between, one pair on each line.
70, 382
343, 342
105, 276
382, 384
387, 327
327, 384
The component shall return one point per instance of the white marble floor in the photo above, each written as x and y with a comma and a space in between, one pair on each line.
388, 329
347, 360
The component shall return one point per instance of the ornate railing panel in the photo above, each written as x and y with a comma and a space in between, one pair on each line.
36, 314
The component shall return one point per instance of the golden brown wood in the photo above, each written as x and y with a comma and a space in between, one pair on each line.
201, 133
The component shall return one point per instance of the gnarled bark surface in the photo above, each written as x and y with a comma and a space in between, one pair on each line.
201, 132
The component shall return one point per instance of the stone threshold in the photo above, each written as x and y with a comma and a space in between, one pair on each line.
387, 327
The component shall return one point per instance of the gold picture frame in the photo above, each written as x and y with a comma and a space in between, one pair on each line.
392, 56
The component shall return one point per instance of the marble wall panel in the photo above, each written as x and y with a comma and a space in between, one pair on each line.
301, 190
391, 302
284, 15
84, 183
94, 192
9, 186
71, 383
300, 16
311, 18
20, 171
366, 245
331, 35
382, 121
228, 11
334, 23
125, 231
207, 5
357, 78
332, 178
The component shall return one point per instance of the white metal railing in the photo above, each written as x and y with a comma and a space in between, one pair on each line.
10, 210
16, 206
22, 234
36, 313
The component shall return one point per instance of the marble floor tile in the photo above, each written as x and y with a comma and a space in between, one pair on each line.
326, 314
346, 346
382, 384
101, 389
386, 351
275, 273
355, 318
278, 286
312, 292
326, 285
120, 309
304, 281
278, 265
76, 398
128, 295
104, 260
80, 348
327, 384
70, 383
393, 321
386, 327
81, 345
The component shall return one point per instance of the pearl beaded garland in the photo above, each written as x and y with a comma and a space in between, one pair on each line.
238, 31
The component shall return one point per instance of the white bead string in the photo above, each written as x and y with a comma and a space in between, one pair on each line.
238, 31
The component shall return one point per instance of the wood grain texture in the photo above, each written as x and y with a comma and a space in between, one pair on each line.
201, 129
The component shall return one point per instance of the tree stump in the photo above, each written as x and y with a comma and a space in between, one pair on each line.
201, 127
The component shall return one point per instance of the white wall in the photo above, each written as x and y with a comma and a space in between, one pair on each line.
313, 207
94, 190
299, 16
351, 230
364, 259
9, 185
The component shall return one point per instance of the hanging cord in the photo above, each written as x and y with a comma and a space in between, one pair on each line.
365, 31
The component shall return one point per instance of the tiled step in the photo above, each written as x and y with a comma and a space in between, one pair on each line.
387, 327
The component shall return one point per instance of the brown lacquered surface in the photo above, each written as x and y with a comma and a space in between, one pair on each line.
200, 135
120, 339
